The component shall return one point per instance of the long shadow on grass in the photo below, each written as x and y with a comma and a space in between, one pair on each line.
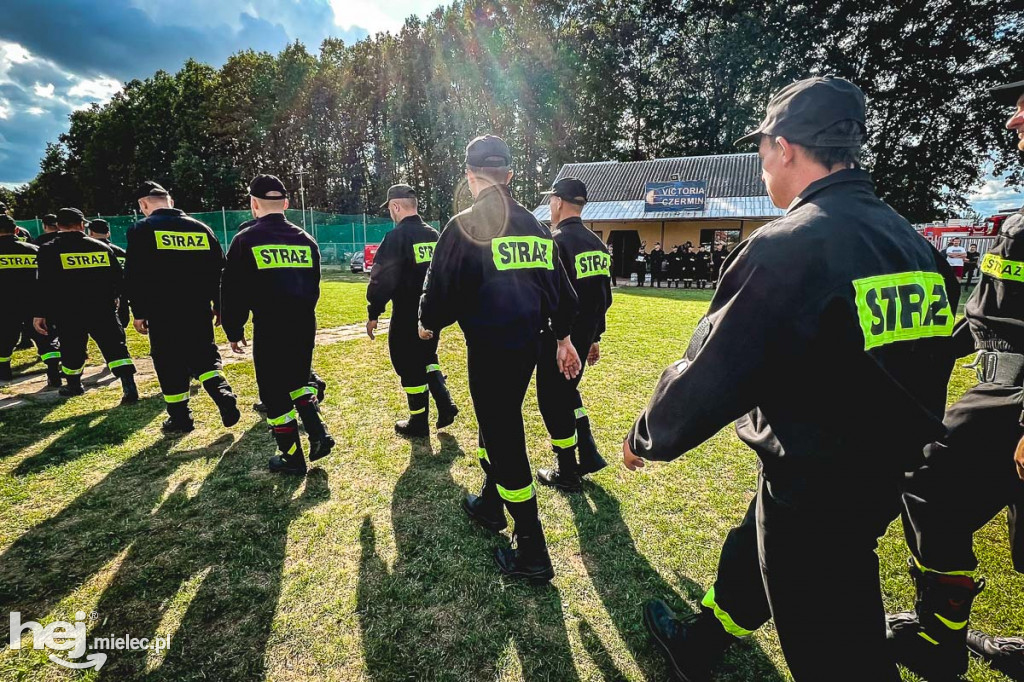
442, 612
214, 559
624, 579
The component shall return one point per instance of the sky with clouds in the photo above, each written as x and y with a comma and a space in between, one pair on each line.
60, 55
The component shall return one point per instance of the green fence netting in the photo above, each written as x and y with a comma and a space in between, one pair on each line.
339, 235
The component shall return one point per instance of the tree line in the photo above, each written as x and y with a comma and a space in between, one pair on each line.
562, 81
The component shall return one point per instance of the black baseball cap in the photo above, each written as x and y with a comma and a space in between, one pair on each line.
49, 219
70, 216
488, 151
267, 187
7, 223
150, 189
802, 111
399, 192
571, 190
99, 226
1008, 94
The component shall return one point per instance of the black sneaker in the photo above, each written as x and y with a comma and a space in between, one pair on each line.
1005, 654
691, 645
229, 413
446, 416
529, 560
71, 391
412, 428
320, 448
131, 391
915, 650
285, 464
484, 514
172, 426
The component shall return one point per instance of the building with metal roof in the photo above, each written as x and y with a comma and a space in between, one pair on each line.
636, 202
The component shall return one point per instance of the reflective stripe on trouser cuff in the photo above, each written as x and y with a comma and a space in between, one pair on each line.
925, 569
72, 372
176, 397
952, 625
120, 363
7, 359
521, 495
433, 368
299, 392
50, 356
203, 378
481, 453
283, 419
581, 412
724, 618
419, 411
292, 449
414, 390
564, 442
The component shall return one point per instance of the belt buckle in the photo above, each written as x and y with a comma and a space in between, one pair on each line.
984, 366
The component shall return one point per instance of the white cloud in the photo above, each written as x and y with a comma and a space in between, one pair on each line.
45, 91
375, 16
35, 111
96, 89
5, 108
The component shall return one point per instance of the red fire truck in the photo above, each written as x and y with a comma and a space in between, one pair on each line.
940, 233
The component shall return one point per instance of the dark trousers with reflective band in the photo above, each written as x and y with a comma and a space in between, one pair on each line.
105, 329
413, 358
183, 348
966, 480
498, 381
783, 561
558, 398
282, 357
10, 332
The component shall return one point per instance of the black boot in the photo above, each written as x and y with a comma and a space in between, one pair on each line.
320, 441
73, 387
932, 640
179, 419
565, 476
220, 391
5, 371
418, 423
446, 408
53, 374
1005, 654
289, 460
529, 558
319, 384
260, 408
486, 509
131, 391
692, 645
591, 460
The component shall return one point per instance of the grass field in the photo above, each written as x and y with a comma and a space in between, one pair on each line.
367, 569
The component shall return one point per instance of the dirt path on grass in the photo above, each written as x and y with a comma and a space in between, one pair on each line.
29, 387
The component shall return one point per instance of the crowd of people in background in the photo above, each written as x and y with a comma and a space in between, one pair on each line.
684, 266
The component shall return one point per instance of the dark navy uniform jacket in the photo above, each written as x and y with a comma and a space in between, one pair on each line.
496, 272
399, 267
17, 276
828, 339
174, 264
78, 276
272, 271
588, 265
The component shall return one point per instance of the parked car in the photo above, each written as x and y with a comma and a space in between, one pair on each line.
358, 263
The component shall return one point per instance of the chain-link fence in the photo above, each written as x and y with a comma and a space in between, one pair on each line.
340, 236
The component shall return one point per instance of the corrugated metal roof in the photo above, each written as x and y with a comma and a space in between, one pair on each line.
714, 208
727, 175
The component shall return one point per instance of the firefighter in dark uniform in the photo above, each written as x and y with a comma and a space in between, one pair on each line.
99, 230
970, 475
587, 263
168, 246
18, 280
828, 342
497, 273
273, 272
80, 282
20, 233
399, 268
50, 231
314, 379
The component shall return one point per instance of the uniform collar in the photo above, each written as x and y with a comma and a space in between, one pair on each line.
272, 218
493, 191
849, 175
410, 220
569, 222
168, 211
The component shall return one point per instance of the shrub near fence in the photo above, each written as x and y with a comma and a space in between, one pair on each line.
339, 235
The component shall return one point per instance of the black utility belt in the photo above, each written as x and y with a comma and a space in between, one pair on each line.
995, 367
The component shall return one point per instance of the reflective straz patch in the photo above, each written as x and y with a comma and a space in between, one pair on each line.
592, 264
12, 262
181, 241
282, 256
1002, 268
902, 307
519, 253
423, 252
76, 261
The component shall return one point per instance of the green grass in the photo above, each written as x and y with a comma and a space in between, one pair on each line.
367, 570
